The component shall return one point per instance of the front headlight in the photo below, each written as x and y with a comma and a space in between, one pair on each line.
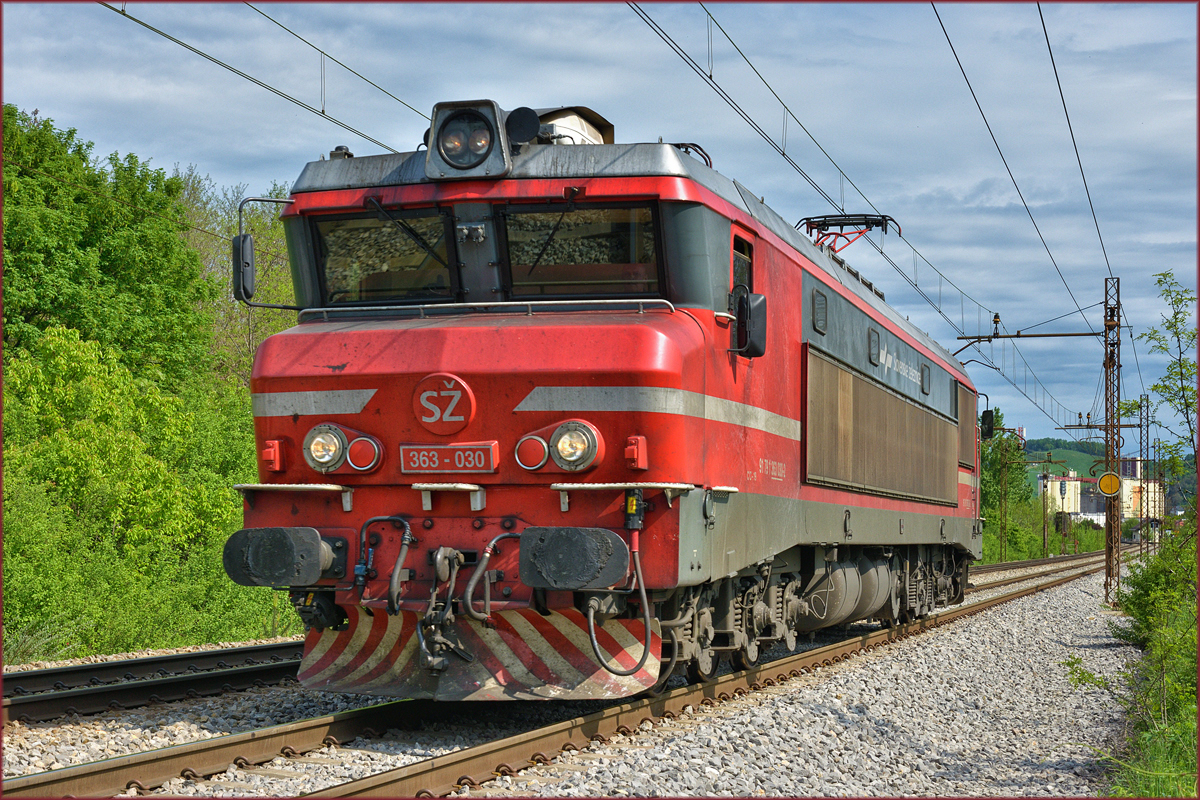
465, 140
574, 445
325, 448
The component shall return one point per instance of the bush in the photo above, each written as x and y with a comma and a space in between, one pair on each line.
118, 499
1159, 596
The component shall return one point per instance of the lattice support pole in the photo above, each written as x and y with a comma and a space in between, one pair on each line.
1145, 506
1112, 434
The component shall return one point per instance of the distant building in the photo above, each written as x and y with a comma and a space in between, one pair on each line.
1143, 498
1139, 499
1063, 493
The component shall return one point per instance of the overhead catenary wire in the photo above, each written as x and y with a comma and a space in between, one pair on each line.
913, 282
840, 206
1007, 168
1055, 319
662, 34
1083, 176
250, 78
1074, 144
339, 63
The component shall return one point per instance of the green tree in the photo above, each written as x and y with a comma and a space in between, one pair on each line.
1176, 389
95, 246
121, 442
238, 330
1002, 478
118, 498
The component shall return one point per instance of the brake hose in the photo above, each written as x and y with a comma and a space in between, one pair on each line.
591, 618
480, 571
398, 570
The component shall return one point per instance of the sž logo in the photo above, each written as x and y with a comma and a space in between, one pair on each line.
443, 403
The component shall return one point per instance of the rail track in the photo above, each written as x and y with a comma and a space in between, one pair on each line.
42, 694
45, 694
1039, 562
473, 765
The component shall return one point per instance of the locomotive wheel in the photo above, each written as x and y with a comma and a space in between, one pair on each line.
745, 657
789, 640
703, 668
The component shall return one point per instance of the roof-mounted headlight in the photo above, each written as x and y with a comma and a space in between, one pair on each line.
473, 139
465, 140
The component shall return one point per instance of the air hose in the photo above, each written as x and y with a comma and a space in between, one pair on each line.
398, 570
594, 603
480, 571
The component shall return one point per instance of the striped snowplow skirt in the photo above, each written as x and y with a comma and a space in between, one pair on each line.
526, 656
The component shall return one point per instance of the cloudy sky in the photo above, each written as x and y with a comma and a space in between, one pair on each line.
877, 86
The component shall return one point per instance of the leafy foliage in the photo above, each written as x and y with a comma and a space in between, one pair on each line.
95, 246
238, 329
121, 440
1159, 690
117, 501
1176, 389
1039, 446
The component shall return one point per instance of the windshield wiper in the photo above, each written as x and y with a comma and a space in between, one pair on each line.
410, 232
550, 237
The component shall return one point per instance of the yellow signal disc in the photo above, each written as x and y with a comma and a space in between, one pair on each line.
1109, 484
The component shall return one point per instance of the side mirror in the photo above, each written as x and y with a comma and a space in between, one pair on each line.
986, 429
751, 325
243, 266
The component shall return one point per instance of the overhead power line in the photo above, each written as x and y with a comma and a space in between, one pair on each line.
250, 78
913, 281
1074, 144
339, 63
1009, 169
1091, 205
842, 173
662, 34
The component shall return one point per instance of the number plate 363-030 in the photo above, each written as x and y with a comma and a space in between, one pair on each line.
468, 457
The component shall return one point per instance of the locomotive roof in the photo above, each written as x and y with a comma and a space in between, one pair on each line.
608, 161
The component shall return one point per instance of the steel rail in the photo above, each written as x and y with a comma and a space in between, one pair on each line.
132, 694
210, 756
93, 688
443, 774
76, 675
981, 587
472, 766
1035, 562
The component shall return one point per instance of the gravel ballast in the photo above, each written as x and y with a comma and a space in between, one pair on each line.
978, 707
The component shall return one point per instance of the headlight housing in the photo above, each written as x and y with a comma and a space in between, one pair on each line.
465, 139
473, 139
325, 448
574, 445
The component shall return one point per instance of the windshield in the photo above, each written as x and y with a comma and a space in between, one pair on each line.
368, 259
581, 250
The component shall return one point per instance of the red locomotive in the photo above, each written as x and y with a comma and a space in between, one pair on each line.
562, 416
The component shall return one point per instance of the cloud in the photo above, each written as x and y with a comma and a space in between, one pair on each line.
876, 85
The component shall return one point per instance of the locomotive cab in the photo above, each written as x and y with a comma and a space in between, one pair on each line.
538, 432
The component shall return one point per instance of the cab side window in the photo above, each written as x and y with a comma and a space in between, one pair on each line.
743, 273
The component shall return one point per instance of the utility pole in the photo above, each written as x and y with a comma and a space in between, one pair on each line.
1112, 434
1045, 501
1144, 460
